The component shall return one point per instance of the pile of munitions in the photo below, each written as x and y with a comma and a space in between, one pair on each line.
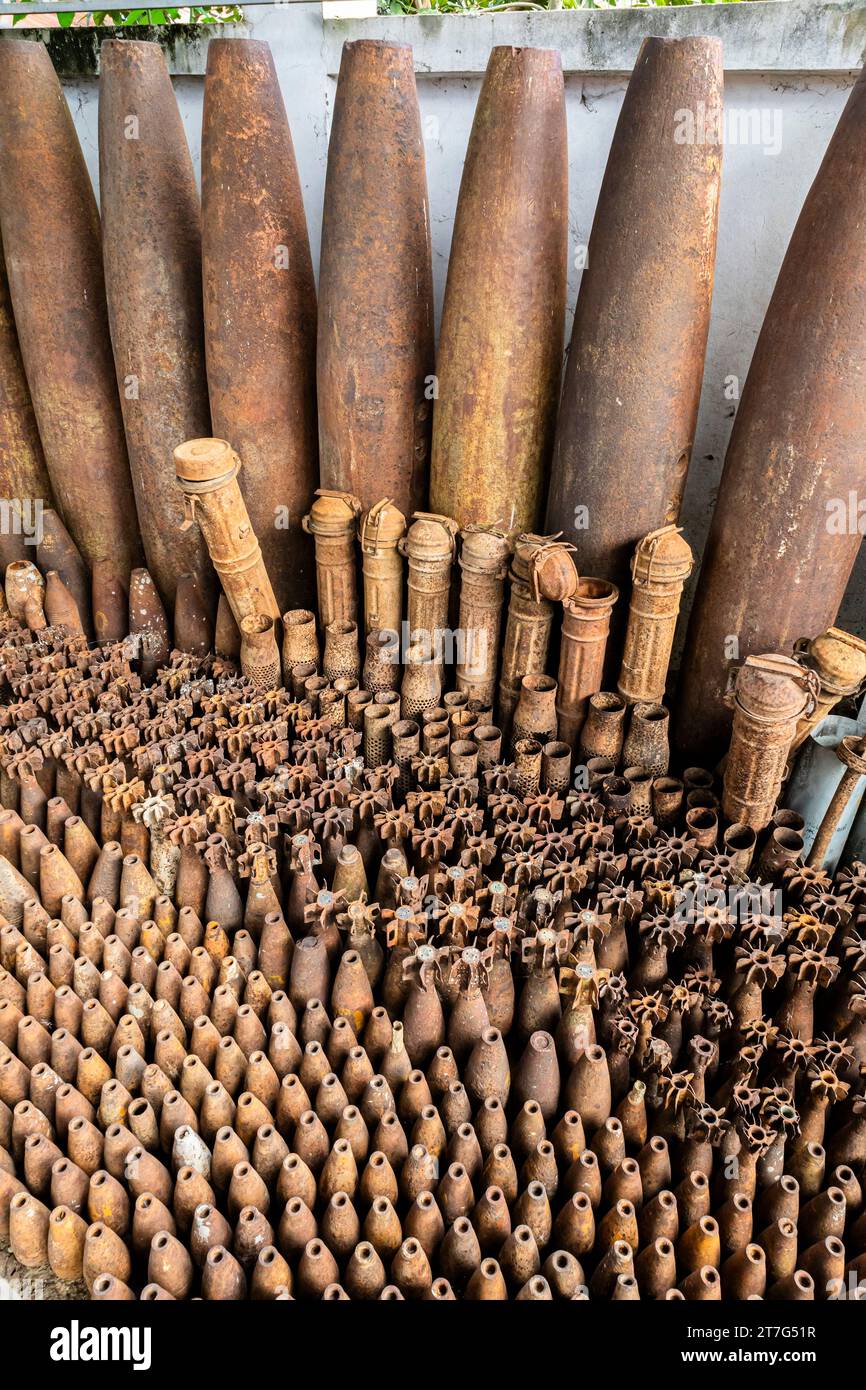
346, 951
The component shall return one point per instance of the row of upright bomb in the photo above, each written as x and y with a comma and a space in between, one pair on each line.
206, 320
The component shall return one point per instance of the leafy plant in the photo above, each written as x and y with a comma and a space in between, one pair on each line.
197, 14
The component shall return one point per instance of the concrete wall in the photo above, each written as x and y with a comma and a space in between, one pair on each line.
789, 67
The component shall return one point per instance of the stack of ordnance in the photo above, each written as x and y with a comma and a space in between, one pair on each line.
304, 999
362, 937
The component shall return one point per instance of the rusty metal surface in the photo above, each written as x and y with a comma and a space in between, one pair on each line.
260, 305
207, 478
23, 474
151, 232
770, 696
633, 379
338, 1035
775, 566
660, 567
375, 344
503, 319
53, 253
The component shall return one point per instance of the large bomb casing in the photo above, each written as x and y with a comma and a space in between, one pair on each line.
503, 320
150, 203
375, 343
260, 305
51, 238
776, 565
632, 383
24, 480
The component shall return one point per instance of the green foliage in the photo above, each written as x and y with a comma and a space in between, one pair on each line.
198, 14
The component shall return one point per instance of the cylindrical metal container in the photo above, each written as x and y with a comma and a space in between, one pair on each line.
260, 655
585, 628
149, 200
341, 655
770, 695
429, 547
839, 660
422, 683
535, 714
660, 567
332, 521
632, 384
260, 305
24, 482
646, 743
503, 318
375, 345
51, 239
782, 542
207, 471
382, 528
603, 729
299, 639
483, 565
527, 630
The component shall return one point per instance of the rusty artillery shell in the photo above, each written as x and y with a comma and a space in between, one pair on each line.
586, 622
429, 547
381, 530
332, 521
375, 339
23, 474
207, 471
660, 566
149, 200
260, 305
771, 694
527, 630
483, 568
794, 460
57, 551
503, 318
624, 457
51, 239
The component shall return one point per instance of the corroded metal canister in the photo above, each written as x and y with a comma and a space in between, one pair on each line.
782, 542
381, 530
24, 480
503, 318
260, 305
585, 628
484, 566
771, 694
260, 655
300, 642
207, 471
838, 659
375, 344
51, 239
333, 522
527, 630
429, 547
149, 200
632, 384
660, 567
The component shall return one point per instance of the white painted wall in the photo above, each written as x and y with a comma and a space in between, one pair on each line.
789, 65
